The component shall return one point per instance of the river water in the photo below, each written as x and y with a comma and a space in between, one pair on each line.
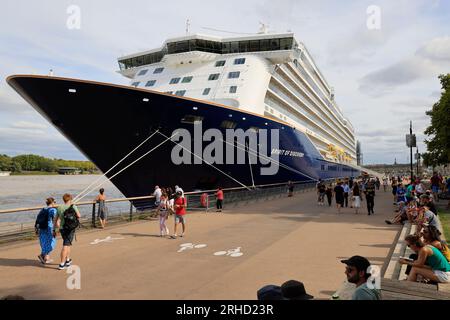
31, 191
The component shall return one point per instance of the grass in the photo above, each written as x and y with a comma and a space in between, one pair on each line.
444, 216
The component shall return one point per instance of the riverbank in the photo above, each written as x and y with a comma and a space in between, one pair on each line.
44, 173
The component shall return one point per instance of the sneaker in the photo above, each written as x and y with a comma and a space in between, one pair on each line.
61, 267
173, 237
387, 221
68, 263
182, 235
41, 259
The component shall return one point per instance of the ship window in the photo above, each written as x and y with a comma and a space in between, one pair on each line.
142, 72
191, 119
169, 92
206, 91
227, 124
187, 79
180, 93
271, 111
135, 84
264, 45
234, 74
158, 70
150, 83
213, 76
220, 63
322, 167
266, 108
286, 43
233, 89
174, 80
239, 61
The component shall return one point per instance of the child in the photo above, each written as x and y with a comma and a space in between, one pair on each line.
163, 210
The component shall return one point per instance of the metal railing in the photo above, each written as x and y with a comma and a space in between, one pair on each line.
129, 209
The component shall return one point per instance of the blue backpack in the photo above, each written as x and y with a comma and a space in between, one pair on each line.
42, 219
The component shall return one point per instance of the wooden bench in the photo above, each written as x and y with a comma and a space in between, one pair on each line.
405, 290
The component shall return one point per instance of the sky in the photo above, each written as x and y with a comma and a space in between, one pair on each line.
382, 62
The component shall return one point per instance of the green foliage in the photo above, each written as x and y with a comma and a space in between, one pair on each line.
31, 162
439, 131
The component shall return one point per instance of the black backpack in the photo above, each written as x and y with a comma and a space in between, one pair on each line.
70, 219
42, 219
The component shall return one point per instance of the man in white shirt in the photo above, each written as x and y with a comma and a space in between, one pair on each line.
157, 195
346, 192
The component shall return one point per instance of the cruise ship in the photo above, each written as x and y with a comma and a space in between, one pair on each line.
262, 81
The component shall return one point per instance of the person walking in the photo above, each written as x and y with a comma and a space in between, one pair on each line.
290, 189
157, 194
322, 191
346, 192
219, 201
329, 193
102, 209
339, 196
356, 198
370, 197
67, 220
163, 212
180, 213
44, 228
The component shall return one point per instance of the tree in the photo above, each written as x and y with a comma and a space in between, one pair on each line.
438, 146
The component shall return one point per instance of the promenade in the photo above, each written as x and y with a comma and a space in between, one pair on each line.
281, 239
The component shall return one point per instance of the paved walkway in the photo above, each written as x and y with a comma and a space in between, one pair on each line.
281, 239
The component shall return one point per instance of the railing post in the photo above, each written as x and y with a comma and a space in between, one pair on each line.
131, 211
93, 215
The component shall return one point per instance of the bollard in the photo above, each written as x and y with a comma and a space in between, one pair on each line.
131, 211
93, 215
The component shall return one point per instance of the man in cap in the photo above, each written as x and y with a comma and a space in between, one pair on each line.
356, 272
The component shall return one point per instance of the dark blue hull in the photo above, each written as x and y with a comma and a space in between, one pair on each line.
105, 122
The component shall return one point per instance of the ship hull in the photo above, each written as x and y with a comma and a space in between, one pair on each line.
105, 122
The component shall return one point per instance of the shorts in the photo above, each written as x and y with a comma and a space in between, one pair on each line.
67, 237
180, 219
435, 189
444, 277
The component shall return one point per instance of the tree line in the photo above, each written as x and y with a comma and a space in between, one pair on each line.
31, 162
438, 144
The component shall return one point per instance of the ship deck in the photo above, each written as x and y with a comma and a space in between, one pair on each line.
288, 238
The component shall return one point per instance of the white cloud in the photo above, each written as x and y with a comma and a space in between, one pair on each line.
28, 125
436, 49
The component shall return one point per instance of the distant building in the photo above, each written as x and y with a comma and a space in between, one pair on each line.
69, 170
359, 155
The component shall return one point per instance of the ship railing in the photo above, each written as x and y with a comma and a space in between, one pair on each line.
18, 223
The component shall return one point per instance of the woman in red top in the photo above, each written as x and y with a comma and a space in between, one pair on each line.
180, 212
219, 195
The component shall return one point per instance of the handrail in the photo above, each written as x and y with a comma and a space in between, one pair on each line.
152, 197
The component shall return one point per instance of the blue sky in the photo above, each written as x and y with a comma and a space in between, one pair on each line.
382, 78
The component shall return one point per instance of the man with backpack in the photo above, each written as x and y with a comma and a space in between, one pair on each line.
67, 220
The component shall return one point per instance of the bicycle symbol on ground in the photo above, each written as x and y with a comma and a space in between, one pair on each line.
232, 253
188, 246
107, 239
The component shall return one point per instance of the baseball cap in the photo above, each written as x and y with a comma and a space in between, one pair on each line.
270, 292
359, 262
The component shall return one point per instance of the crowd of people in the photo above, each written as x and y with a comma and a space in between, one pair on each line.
348, 193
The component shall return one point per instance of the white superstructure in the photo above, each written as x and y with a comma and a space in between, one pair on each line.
272, 75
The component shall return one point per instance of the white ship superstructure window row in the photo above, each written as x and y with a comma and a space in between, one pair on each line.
303, 75
289, 99
277, 43
289, 83
307, 122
